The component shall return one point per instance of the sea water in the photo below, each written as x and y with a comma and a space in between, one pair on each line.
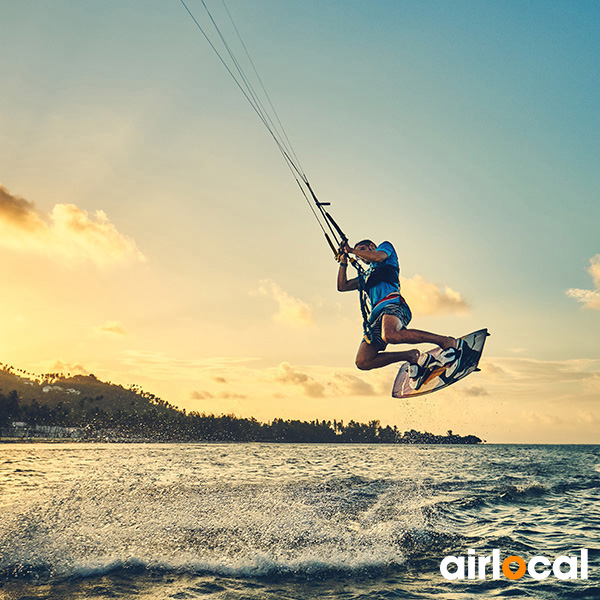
290, 521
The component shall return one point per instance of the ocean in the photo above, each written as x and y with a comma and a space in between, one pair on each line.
291, 521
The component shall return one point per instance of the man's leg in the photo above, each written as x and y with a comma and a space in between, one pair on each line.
393, 332
368, 357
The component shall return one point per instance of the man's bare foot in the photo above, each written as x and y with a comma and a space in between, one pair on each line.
449, 343
414, 356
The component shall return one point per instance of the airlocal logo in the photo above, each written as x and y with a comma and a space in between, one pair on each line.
538, 567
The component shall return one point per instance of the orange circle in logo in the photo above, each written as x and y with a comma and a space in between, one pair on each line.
514, 574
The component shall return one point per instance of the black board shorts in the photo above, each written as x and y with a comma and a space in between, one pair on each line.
398, 309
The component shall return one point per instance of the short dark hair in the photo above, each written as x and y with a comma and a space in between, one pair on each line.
366, 243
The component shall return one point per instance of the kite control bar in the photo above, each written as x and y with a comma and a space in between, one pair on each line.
336, 231
343, 237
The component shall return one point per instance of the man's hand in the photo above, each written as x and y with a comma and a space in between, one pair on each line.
343, 251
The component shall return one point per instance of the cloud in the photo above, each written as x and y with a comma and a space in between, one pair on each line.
292, 311
587, 417
232, 396
60, 366
427, 298
311, 387
321, 382
589, 298
351, 385
544, 418
536, 371
204, 395
475, 391
159, 365
68, 232
492, 369
18, 213
111, 328
195, 395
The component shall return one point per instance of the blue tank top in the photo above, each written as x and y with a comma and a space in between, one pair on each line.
378, 292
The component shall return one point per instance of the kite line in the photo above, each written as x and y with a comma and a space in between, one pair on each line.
257, 96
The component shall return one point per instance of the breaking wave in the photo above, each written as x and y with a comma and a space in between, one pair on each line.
258, 515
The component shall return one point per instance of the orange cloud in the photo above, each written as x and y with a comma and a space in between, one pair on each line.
351, 385
427, 298
61, 366
321, 382
311, 387
292, 311
68, 232
111, 328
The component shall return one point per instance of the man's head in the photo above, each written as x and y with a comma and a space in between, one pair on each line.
366, 245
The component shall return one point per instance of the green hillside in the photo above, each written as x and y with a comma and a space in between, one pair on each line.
83, 407
78, 392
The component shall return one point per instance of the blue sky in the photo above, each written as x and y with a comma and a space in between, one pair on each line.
466, 133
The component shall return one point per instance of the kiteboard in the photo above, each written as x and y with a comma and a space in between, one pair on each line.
439, 368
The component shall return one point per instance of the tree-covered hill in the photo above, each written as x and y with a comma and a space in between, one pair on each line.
83, 407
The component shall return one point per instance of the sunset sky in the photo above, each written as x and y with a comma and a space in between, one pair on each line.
151, 233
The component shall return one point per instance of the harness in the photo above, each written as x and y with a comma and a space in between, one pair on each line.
384, 273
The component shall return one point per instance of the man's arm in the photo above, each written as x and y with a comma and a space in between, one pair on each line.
375, 256
343, 283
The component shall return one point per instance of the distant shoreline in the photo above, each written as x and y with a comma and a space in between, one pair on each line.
54, 407
34, 440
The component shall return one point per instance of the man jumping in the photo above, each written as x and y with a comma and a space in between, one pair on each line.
387, 314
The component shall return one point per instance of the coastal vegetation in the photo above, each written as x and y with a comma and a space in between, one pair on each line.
82, 407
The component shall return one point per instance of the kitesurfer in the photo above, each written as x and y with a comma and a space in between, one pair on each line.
386, 313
